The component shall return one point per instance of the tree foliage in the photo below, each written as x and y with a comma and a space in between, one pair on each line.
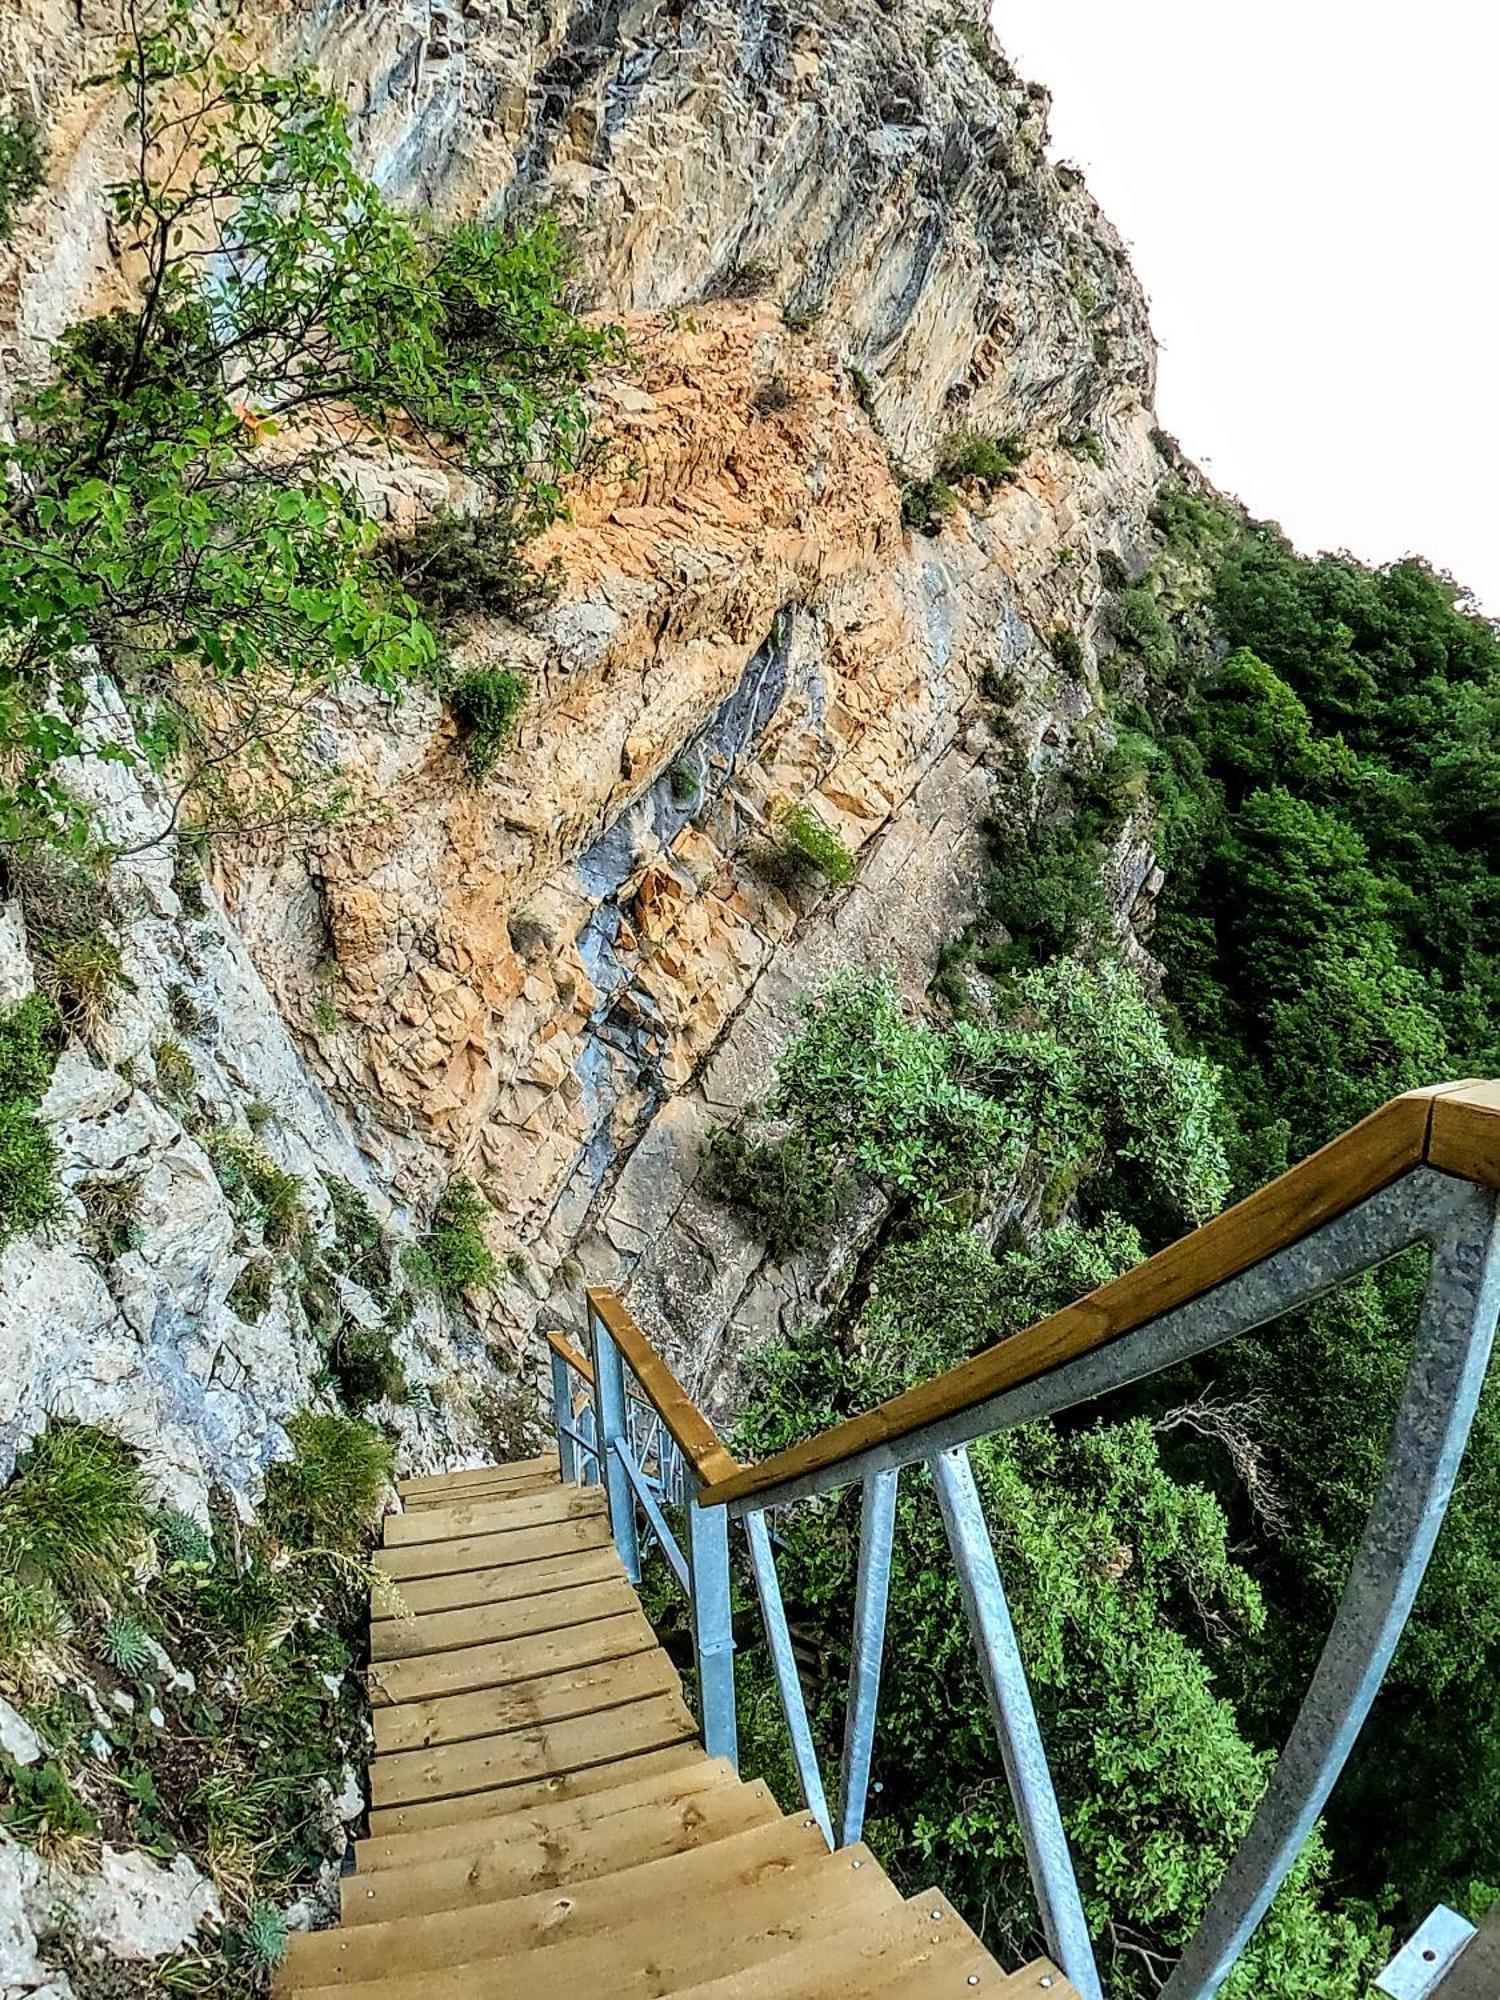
175, 510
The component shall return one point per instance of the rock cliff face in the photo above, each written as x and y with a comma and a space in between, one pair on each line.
560, 981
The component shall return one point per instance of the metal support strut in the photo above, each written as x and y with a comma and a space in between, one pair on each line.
789, 1686
613, 1424
877, 1528
1026, 1768
713, 1626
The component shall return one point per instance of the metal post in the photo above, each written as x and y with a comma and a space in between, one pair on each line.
789, 1685
1444, 1378
877, 1530
609, 1396
588, 1430
713, 1627
1026, 1769
562, 1413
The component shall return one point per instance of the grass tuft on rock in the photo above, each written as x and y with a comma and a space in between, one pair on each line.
486, 705
453, 1255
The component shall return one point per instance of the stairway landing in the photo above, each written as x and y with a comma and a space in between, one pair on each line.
544, 1821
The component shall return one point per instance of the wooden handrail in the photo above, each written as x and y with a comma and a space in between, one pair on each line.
694, 1436
1452, 1126
579, 1363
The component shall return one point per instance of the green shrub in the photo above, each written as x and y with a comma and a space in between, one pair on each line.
926, 504
187, 1017
806, 849
30, 1036
453, 1254
330, 1492
181, 1539
802, 319
23, 168
359, 1249
249, 1297
29, 1195
176, 1074
68, 911
460, 563
1086, 444
1067, 649
366, 1366
44, 1810
110, 1209
684, 784
73, 1522
787, 1198
751, 279
989, 461
486, 704
252, 1179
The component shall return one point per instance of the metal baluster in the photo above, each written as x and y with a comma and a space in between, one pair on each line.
1443, 1383
562, 1414
789, 1685
713, 1626
613, 1422
877, 1529
1026, 1769
589, 1430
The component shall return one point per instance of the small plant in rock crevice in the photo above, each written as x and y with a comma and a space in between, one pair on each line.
805, 849
110, 1209
774, 395
453, 1255
23, 167
461, 563
751, 279
988, 461
252, 1179
30, 1033
69, 914
486, 704
176, 1074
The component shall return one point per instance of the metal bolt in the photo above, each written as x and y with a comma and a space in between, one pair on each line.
973, 1978
935, 1915
1046, 1979
809, 1822
856, 1864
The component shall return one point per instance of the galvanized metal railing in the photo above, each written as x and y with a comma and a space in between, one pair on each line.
1423, 1170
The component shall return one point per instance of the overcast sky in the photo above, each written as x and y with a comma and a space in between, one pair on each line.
1308, 189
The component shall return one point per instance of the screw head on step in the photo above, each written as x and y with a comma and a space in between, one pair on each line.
856, 1864
935, 1915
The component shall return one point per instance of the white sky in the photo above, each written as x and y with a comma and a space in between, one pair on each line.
1309, 192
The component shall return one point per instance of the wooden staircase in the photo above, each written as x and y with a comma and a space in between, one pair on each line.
545, 1824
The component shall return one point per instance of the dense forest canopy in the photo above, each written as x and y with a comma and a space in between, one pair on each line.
1313, 743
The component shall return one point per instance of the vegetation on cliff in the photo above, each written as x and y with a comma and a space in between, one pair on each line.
1312, 743
176, 510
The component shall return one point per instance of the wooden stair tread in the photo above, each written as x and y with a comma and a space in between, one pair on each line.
587, 1529
506, 1869
634, 1933
682, 1753
426, 1676
588, 1688
399, 1602
430, 1632
921, 1948
507, 1513
557, 1822
523, 1475
481, 1763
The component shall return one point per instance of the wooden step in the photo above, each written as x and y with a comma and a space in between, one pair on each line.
560, 1825
523, 1475
499, 1624
466, 1590
591, 1688
587, 1529
524, 1755
633, 1933
920, 1948
507, 1867
427, 1676
628, 1767
461, 1520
